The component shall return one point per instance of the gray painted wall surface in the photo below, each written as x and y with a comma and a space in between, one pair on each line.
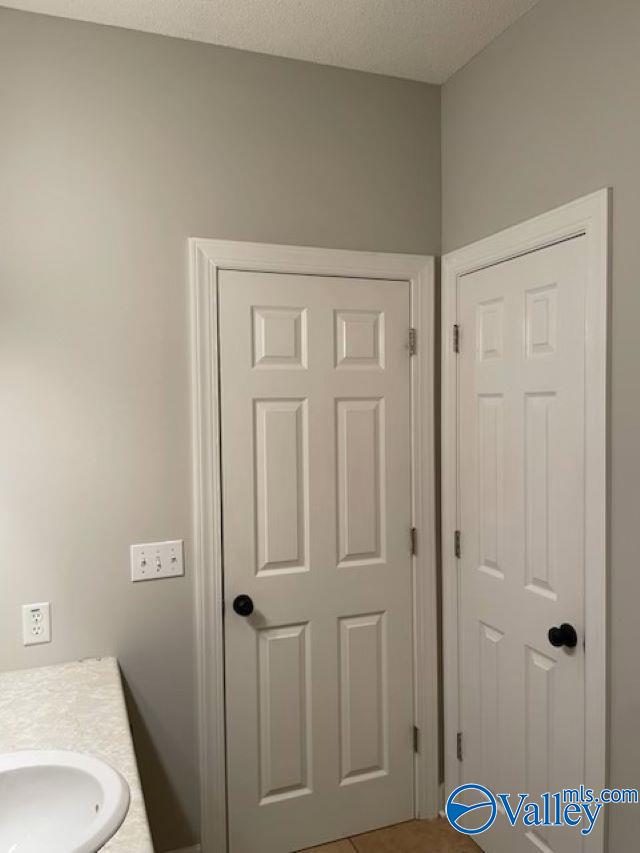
548, 112
115, 147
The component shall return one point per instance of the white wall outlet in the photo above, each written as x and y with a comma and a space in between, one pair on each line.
157, 560
36, 623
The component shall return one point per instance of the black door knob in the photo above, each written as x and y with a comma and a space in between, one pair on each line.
565, 635
243, 605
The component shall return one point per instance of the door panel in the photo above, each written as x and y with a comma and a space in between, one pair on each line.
361, 501
363, 697
522, 499
316, 518
281, 476
284, 712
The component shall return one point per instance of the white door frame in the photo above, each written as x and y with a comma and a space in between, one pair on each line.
207, 257
588, 216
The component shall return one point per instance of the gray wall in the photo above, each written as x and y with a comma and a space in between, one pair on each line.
115, 147
548, 112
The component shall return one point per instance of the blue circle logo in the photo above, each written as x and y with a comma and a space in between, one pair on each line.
465, 802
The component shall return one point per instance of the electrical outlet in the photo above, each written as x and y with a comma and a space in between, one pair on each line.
36, 623
157, 560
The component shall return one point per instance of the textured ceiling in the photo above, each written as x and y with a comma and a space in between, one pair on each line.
420, 39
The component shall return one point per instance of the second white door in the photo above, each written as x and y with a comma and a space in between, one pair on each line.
522, 517
315, 413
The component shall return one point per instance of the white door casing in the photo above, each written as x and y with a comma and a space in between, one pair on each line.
282, 416
524, 480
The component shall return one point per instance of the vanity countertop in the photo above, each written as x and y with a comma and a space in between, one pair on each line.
78, 706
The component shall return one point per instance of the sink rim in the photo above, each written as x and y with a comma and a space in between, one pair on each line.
117, 795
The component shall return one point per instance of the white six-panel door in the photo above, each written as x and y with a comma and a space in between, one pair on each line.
522, 498
315, 415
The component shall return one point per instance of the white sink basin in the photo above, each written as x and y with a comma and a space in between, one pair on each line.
58, 802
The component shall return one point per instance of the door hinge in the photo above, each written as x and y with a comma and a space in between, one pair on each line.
456, 338
457, 547
413, 341
416, 739
459, 746
414, 541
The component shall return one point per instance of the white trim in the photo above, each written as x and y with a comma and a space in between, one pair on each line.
588, 216
425, 593
206, 258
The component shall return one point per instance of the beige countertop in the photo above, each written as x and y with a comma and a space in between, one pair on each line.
78, 706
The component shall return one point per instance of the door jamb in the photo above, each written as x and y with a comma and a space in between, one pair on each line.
588, 216
206, 258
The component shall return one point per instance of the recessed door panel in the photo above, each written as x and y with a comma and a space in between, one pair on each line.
359, 339
364, 696
285, 712
489, 329
361, 488
491, 689
281, 476
539, 686
490, 482
540, 321
279, 337
539, 512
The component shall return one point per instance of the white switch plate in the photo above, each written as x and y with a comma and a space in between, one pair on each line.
36, 623
157, 560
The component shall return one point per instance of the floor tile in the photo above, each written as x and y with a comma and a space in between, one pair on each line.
415, 836
334, 847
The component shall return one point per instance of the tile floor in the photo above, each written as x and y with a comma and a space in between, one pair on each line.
415, 836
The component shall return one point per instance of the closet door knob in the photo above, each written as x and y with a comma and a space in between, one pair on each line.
565, 635
243, 605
